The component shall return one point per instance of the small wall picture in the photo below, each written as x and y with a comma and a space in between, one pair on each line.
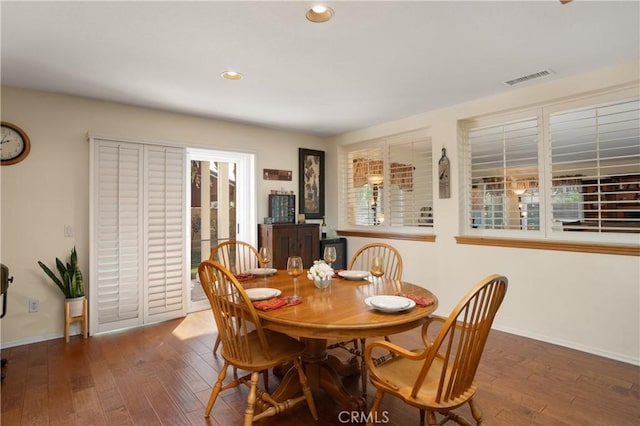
273, 174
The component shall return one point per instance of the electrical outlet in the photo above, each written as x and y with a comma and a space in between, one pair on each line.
68, 231
34, 305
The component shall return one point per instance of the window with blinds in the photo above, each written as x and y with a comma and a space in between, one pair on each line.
389, 183
502, 160
595, 164
561, 168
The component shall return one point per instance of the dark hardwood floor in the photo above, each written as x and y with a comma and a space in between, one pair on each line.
162, 375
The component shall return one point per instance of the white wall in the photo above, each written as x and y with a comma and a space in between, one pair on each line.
50, 189
585, 301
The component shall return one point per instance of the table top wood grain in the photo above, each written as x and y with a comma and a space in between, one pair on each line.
339, 311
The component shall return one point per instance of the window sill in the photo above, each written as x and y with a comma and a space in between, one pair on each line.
618, 249
429, 238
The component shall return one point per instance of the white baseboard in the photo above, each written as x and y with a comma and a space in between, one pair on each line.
35, 339
571, 345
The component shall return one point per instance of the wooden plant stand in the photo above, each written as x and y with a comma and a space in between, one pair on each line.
68, 320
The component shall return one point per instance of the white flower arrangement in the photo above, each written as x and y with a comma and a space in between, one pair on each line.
320, 270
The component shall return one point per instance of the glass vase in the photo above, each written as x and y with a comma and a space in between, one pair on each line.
322, 282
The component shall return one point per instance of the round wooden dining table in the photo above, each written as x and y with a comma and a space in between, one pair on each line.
338, 312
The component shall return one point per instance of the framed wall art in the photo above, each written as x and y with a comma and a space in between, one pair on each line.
311, 186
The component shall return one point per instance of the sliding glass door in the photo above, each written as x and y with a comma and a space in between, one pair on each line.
221, 208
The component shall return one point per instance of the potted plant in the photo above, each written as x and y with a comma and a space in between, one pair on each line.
70, 282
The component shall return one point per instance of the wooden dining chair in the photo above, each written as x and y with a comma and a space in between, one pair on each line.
249, 348
441, 377
238, 257
391, 259
235, 255
361, 261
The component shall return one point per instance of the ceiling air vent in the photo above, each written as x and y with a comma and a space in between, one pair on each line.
525, 78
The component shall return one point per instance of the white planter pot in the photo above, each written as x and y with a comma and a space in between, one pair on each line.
76, 306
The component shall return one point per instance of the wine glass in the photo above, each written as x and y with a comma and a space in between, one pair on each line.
377, 268
294, 269
264, 257
329, 254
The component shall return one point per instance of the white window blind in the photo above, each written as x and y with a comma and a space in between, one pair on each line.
138, 234
502, 166
388, 182
595, 162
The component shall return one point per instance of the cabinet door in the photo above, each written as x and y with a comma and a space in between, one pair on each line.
285, 244
308, 244
291, 240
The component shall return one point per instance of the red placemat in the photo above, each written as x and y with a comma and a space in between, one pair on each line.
243, 277
420, 300
274, 303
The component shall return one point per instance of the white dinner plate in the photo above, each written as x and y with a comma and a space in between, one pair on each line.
389, 303
262, 271
354, 275
262, 293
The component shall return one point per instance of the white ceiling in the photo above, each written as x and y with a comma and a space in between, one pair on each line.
374, 62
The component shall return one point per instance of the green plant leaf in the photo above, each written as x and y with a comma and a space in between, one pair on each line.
53, 277
70, 281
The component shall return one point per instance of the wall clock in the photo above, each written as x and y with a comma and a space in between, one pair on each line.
15, 144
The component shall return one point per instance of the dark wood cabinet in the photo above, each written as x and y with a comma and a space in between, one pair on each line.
286, 240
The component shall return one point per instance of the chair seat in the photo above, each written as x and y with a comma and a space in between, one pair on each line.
281, 346
404, 372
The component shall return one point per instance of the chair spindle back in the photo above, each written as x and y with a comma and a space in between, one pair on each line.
233, 312
391, 259
462, 338
237, 256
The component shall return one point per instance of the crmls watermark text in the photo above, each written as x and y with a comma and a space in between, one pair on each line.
361, 417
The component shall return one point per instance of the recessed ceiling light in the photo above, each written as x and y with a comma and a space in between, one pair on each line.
319, 14
231, 75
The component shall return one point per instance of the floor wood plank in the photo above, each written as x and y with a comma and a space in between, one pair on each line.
162, 374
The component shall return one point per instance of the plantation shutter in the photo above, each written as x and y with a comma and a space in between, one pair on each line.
595, 161
138, 256
388, 182
362, 166
502, 160
165, 230
118, 229
410, 182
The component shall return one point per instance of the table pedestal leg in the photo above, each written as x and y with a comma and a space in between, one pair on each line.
323, 373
